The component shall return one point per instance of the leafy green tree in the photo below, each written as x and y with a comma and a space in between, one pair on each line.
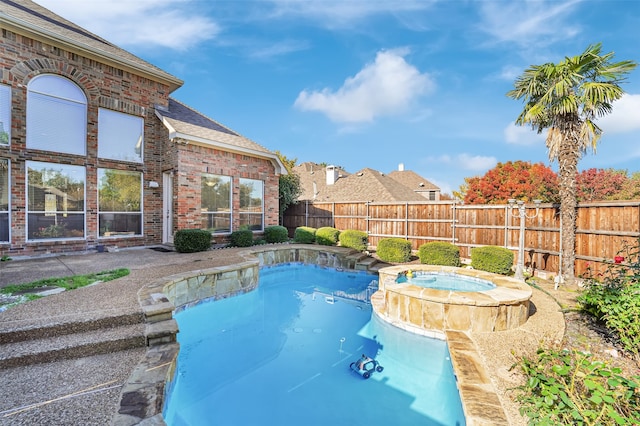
630, 189
289, 188
566, 98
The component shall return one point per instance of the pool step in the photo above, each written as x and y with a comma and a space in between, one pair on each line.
366, 263
72, 345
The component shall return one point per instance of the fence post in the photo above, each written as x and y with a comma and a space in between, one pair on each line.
406, 221
306, 213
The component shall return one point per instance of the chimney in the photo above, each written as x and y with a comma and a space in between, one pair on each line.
332, 175
401, 167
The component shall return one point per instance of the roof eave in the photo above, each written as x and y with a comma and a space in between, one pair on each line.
47, 36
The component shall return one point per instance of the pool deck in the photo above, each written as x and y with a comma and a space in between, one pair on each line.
87, 390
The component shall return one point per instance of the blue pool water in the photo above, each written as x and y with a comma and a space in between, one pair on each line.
280, 355
444, 281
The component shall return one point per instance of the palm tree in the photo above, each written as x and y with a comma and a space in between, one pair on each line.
567, 98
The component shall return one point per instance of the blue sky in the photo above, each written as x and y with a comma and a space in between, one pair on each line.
376, 83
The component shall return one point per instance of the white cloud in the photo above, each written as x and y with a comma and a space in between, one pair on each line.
476, 163
625, 116
387, 86
528, 23
173, 24
523, 135
269, 51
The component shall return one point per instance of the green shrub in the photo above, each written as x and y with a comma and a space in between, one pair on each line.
241, 238
565, 388
615, 300
394, 250
192, 240
439, 253
351, 238
327, 236
304, 235
498, 260
276, 234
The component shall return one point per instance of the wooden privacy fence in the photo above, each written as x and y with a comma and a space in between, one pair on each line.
603, 229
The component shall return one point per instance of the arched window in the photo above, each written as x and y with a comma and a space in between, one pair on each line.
56, 115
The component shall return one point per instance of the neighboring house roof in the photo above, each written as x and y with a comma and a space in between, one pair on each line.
25, 16
186, 123
365, 185
413, 180
313, 179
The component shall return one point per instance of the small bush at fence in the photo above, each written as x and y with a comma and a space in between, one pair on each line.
439, 253
565, 388
304, 235
615, 300
354, 239
498, 260
327, 236
192, 240
276, 234
241, 238
394, 250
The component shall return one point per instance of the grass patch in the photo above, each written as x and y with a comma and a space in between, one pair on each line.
68, 283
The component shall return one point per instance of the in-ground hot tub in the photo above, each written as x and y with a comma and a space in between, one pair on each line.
500, 304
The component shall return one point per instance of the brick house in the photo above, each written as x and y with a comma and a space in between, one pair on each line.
94, 151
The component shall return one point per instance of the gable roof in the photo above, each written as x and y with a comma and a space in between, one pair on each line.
365, 185
186, 123
29, 18
412, 180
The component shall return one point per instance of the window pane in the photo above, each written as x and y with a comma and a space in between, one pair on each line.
55, 225
119, 202
56, 115
4, 199
55, 200
251, 220
4, 184
251, 207
216, 203
60, 87
120, 136
5, 114
217, 222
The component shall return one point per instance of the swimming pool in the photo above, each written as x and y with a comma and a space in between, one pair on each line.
280, 355
445, 281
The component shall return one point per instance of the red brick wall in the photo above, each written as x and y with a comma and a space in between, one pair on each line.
23, 58
195, 160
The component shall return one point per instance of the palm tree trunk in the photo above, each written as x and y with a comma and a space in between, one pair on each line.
568, 157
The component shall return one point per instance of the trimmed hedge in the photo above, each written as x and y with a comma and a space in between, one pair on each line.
494, 259
304, 235
439, 253
276, 234
192, 240
241, 238
327, 236
394, 250
351, 238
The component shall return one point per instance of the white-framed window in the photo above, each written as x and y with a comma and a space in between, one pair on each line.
120, 136
119, 203
56, 115
215, 195
5, 188
251, 204
55, 201
5, 114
